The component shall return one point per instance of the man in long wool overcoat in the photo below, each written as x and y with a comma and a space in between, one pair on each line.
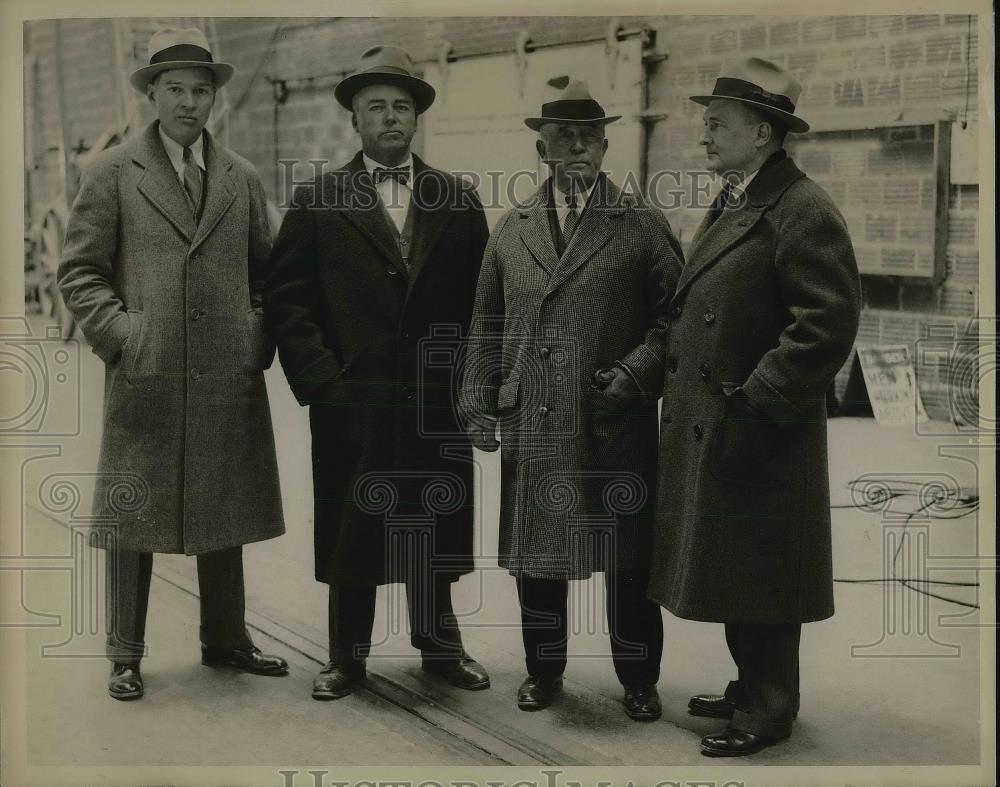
373, 276
566, 351
162, 268
765, 313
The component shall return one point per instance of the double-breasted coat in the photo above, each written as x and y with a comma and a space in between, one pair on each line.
173, 307
577, 467
373, 348
765, 313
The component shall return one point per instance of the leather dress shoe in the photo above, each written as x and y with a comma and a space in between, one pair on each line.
734, 743
715, 706
642, 702
463, 672
250, 660
125, 682
538, 693
337, 680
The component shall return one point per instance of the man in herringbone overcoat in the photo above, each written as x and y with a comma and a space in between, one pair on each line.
163, 269
566, 351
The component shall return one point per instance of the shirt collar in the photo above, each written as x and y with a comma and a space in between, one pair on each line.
371, 164
559, 197
175, 151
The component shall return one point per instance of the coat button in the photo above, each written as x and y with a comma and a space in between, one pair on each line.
195, 374
391, 270
195, 314
706, 373
698, 432
709, 317
544, 352
675, 313
543, 411
672, 365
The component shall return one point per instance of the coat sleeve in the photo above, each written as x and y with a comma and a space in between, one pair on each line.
481, 375
818, 280
86, 269
259, 241
292, 306
645, 362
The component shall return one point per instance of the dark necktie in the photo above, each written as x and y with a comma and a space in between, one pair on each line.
720, 203
569, 223
193, 184
399, 174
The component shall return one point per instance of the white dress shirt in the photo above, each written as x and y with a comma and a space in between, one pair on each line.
175, 152
394, 195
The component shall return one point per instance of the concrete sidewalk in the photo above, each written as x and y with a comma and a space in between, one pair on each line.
893, 678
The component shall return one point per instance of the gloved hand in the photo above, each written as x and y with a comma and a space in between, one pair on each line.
481, 431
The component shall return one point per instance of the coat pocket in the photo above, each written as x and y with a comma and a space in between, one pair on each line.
132, 349
747, 447
606, 430
259, 351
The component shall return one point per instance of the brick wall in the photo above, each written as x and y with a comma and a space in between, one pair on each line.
857, 72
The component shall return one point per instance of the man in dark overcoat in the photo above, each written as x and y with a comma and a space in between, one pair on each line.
765, 313
163, 269
566, 352
370, 295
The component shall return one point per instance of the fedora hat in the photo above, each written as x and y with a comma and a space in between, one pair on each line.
172, 48
761, 84
574, 105
385, 65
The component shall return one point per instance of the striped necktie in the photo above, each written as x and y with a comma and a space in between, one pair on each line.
569, 223
193, 183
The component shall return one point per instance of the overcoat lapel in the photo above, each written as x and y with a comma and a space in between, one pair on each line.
431, 204
535, 231
221, 191
711, 242
359, 202
592, 232
159, 184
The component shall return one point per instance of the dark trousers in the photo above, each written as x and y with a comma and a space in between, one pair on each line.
766, 692
433, 628
635, 623
220, 585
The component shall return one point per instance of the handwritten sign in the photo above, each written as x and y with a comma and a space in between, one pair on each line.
891, 384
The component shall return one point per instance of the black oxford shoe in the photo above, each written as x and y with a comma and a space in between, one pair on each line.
538, 693
125, 682
642, 702
734, 743
463, 672
251, 660
715, 706
337, 680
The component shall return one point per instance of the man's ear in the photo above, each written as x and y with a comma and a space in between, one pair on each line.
604, 146
150, 88
540, 147
763, 135
354, 120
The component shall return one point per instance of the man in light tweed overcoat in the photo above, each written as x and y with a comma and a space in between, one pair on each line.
565, 354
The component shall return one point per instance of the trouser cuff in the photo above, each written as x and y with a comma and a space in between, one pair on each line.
755, 724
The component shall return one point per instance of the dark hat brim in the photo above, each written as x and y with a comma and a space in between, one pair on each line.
792, 122
423, 93
536, 123
140, 78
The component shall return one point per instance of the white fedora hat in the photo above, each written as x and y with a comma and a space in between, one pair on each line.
171, 48
761, 84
